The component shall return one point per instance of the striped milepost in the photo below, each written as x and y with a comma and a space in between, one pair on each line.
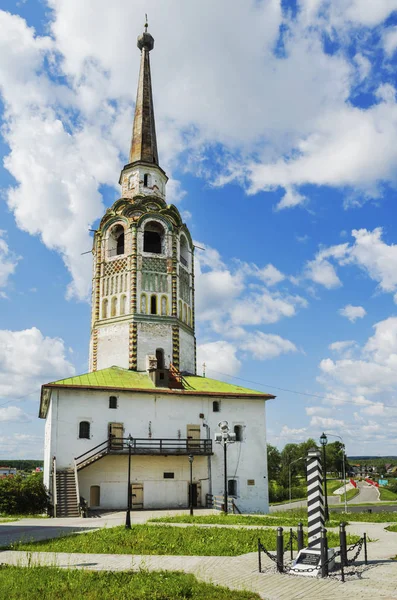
315, 498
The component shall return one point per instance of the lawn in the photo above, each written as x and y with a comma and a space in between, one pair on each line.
392, 528
386, 494
332, 485
48, 583
365, 517
350, 494
178, 541
261, 521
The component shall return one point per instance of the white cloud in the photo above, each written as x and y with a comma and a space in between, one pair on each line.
321, 271
325, 422
317, 411
291, 199
295, 433
390, 40
270, 275
353, 312
13, 414
8, 262
27, 359
219, 357
263, 346
264, 307
342, 347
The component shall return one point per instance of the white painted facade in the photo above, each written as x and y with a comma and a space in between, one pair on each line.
158, 415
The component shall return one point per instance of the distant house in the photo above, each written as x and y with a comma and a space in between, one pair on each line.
7, 471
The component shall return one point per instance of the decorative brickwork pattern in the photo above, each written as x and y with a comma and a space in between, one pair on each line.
94, 349
154, 282
159, 265
97, 287
133, 347
175, 347
184, 285
133, 268
174, 277
115, 266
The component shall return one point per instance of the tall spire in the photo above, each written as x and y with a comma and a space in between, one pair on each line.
144, 143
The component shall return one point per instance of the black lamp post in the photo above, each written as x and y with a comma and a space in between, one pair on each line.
323, 442
128, 514
191, 459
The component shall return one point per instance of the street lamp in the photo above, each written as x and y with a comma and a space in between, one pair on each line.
225, 438
343, 465
128, 514
191, 459
289, 476
323, 442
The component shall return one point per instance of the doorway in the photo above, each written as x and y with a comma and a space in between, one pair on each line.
116, 432
95, 496
136, 496
193, 436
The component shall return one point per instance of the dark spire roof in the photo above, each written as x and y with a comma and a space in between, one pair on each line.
144, 143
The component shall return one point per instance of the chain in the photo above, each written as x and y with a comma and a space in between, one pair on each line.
271, 556
358, 544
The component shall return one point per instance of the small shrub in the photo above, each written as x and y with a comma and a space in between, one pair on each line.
23, 495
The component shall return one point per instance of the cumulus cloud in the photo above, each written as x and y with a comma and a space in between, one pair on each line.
325, 422
8, 263
342, 347
27, 359
265, 345
13, 414
353, 312
219, 357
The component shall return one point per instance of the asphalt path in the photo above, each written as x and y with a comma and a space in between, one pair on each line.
368, 493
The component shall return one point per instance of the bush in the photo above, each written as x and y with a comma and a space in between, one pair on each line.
23, 495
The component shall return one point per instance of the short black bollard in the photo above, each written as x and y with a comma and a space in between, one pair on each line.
365, 549
280, 550
324, 552
342, 570
342, 543
259, 556
300, 536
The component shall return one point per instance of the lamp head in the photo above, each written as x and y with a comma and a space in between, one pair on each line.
191, 458
323, 439
223, 426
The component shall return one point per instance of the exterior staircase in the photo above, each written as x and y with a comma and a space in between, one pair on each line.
67, 501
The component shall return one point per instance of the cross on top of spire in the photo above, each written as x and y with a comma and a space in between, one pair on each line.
146, 23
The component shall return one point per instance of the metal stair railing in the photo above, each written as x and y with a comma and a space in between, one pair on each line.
92, 453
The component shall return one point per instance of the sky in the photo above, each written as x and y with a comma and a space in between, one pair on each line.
277, 125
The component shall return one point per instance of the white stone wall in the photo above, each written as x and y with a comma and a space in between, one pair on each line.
167, 416
47, 446
113, 340
132, 182
186, 351
150, 337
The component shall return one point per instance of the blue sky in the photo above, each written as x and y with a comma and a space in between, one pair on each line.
276, 123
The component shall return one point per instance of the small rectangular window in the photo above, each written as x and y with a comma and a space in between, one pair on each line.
112, 401
216, 406
232, 487
168, 475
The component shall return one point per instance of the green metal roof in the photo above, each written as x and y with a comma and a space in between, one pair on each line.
116, 378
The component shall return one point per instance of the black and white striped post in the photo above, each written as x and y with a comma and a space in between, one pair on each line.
315, 498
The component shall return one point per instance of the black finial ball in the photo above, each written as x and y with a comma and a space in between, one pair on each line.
145, 40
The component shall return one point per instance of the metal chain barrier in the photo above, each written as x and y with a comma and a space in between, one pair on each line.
272, 557
358, 545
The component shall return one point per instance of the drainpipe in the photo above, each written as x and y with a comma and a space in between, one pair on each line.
209, 460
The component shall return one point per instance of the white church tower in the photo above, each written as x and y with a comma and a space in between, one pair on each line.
143, 273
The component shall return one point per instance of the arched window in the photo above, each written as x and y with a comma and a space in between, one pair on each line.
116, 241
216, 406
84, 430
160, 358
180, 310
112, 401
153, 238
104, 308
113, 309
238, 430
153, 305
184, 251
164, 305
143, 304
123, 304
146, 180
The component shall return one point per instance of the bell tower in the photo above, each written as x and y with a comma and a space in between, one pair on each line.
143, 268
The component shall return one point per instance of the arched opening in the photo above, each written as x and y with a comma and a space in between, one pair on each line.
184, 251
113, 309
123, 304
95, 496
116, 241
238, 430
84, 430
153, 238
164, 305
143, 304
153, 305
160, 358
105, 308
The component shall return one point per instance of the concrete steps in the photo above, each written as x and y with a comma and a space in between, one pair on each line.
67, 501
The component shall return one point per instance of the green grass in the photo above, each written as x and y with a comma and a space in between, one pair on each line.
287, 501
177, 541
350, 494
8, 520
386, 494
49, 583
332, 485
338, 517
260, 521
8, 517
392, 528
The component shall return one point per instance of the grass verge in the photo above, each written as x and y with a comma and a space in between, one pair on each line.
350, 494
221, 519
177, 541
387, 495
365, 517
49, 583
392, 528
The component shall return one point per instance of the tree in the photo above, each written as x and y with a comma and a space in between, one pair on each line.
23, 495
273, 462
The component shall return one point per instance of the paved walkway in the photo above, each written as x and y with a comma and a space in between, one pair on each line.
378, 580
368, 493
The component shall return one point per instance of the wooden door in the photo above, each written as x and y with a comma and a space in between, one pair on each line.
193, 436
95, 496
116, 433
137, 495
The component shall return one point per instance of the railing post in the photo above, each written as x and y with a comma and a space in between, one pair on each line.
291, 541
324, 552
300, 536
342, 543
280, 550
259, 556
365, 549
